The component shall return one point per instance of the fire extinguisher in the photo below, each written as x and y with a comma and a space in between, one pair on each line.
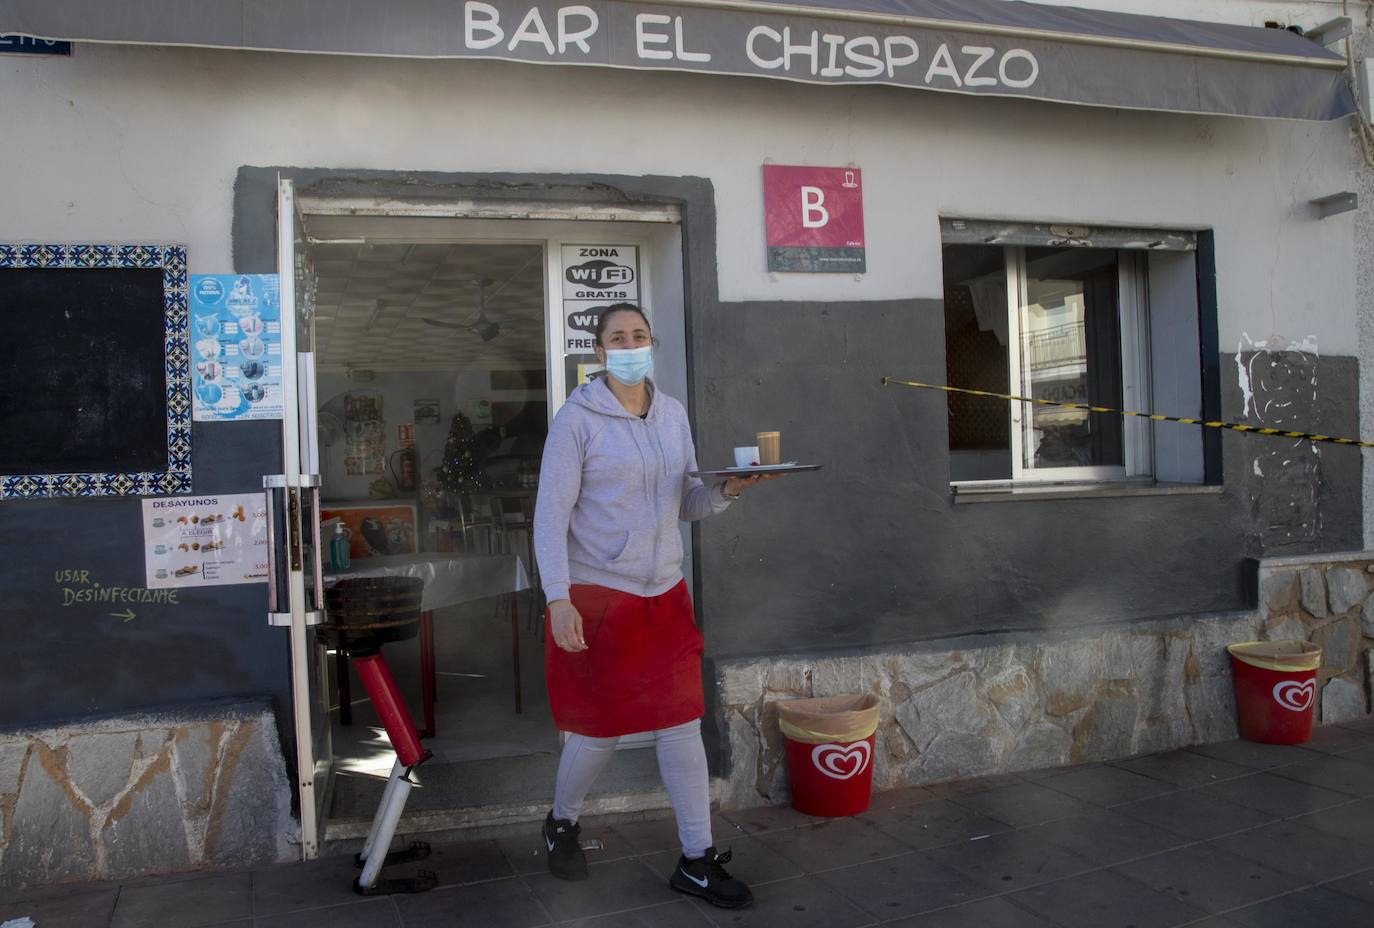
405, 474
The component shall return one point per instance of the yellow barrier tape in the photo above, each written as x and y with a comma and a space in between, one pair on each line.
1154, 417
817, 737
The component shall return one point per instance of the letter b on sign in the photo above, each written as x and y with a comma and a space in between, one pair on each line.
814, 213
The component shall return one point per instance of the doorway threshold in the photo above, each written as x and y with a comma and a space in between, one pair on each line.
495, 792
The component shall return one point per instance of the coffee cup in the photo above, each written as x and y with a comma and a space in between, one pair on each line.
770, 447
746, 456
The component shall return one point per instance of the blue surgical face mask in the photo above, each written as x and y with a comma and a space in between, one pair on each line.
630, 365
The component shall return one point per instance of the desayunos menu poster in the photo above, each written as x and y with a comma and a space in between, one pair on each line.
235, 347
205, 540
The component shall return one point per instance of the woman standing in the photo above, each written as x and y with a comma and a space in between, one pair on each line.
623, 653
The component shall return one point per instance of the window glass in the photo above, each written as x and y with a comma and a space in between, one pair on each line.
976, 357
1070, 352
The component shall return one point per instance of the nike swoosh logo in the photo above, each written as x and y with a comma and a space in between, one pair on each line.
550, 844
701, 883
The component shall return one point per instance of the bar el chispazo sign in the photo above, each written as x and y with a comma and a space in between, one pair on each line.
757, 44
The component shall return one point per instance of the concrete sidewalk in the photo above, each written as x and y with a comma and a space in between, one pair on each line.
1232, 835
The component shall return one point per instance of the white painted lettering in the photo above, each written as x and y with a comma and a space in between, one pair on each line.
532, 29
832, 69
894, 61
812, 51
644, 38
481, 18
682, 53
566, 36
984, 55
768, 64
1022, 82
942, 65
814, 213
864, 65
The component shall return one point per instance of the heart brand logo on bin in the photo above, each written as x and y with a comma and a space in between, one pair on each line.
1295, 696
840, 762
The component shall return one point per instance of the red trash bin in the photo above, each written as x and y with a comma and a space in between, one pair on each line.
830, 752
1276, 687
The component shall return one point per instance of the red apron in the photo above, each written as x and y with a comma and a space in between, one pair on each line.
641, 670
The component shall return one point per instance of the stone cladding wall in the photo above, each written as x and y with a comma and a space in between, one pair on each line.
119, 797
991, 704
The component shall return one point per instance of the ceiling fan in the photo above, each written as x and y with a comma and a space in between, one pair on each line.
482, 327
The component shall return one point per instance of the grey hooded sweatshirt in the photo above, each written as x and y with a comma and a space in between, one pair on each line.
612, 488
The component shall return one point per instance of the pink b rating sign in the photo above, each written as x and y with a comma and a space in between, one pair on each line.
814, 219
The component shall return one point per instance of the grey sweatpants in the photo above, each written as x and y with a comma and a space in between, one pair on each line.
681, 763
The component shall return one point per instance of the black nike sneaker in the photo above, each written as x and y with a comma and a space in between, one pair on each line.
706, 877
566, 860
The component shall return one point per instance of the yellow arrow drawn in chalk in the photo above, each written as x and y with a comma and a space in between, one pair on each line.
1204, 423
127, 615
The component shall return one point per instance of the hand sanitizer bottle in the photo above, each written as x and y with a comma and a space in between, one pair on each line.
338, 548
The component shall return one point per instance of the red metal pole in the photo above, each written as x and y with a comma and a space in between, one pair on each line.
391, 709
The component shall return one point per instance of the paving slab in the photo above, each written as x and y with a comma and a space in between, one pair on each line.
1318, 906
65, 907
1184, 769
1193, 815
906, 885
799, 903
499, 904
1022, 804
1106, 785
1250, 754
834, 844
193, 903
1010, 861
615, 887
1209, 878
996, 912
934, 823
1299, 850
1274, 794
1106, 899
1107, 837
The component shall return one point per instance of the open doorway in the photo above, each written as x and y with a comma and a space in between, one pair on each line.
442, 349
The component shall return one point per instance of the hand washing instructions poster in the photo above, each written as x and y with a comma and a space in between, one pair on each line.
235, 347
205, 540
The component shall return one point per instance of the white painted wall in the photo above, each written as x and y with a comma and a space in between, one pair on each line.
144, 143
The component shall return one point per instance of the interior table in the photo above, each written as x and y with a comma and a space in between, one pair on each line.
451, 578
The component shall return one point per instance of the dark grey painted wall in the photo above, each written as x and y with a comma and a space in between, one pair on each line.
1299, 496
873, 550
61, 662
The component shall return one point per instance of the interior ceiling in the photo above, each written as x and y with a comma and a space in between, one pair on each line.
375, 295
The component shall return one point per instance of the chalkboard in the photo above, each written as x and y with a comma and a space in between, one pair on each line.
94, 393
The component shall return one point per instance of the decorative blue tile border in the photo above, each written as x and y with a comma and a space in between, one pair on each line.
176, 348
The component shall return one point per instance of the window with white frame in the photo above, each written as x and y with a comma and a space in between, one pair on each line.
1070, 318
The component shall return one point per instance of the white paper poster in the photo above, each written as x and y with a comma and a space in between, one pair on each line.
236, 347
595, 277
205, 540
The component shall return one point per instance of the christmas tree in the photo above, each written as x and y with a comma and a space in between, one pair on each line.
461, 471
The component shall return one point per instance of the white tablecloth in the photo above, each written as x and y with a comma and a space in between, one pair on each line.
450, 579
